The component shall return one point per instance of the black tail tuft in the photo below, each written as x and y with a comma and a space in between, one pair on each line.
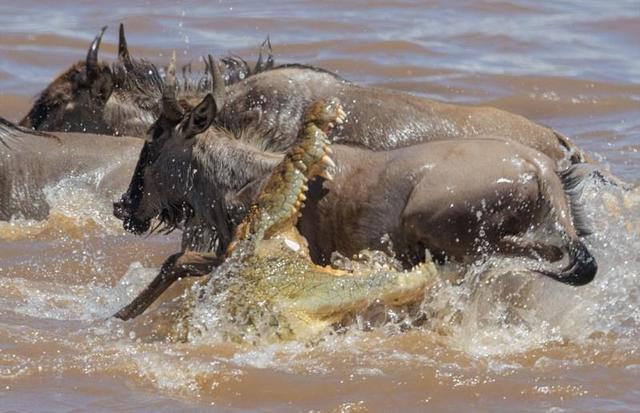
576, 156
582, 267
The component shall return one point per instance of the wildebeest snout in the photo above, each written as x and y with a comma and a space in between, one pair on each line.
124, 211
121, 208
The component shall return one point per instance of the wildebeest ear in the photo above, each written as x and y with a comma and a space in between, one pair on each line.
102, 85
201, 117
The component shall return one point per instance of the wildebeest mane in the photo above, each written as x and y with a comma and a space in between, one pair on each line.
139, 77
236, 70
307, 67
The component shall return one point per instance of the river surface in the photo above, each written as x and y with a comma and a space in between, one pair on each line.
491, 345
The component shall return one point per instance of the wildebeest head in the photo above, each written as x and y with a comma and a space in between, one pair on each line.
91, 96
181, 176
164, 161
84, 88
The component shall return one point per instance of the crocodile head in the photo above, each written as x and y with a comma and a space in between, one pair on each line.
268, 289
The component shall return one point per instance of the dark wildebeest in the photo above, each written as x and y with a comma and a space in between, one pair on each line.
439, 196
121, 99
32, 161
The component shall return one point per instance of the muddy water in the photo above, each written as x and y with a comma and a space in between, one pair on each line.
495, 344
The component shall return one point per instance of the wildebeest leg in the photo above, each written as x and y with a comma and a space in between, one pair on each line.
530, 248
181, 265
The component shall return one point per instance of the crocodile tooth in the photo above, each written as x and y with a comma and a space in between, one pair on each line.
326, 175
327, 161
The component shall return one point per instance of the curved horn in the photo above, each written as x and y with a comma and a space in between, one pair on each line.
170, 107
261, 65
270, 61
92, 54
217, 83
123, 50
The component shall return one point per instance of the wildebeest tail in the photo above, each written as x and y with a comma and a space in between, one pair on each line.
572, 180
576, 155
582, 267
562, 192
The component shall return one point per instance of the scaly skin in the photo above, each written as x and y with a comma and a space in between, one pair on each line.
272, 291
282, 196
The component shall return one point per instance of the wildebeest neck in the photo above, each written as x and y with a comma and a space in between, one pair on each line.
223, 166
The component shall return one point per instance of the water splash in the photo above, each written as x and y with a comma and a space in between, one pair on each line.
469, 333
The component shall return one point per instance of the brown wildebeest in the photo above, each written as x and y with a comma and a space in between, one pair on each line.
457, 198
31, 161
273, 102
121, 99
125, 99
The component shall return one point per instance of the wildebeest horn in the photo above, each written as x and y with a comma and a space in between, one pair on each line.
170, 107
92, 54
260, 64
123, 50
217, 80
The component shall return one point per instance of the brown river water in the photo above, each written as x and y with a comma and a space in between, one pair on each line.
497, 345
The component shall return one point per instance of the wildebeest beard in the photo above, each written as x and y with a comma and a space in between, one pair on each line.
198, 192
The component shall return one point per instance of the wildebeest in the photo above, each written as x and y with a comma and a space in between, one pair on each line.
265, 109
123, 98
273, 102
441, 196
32, 161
